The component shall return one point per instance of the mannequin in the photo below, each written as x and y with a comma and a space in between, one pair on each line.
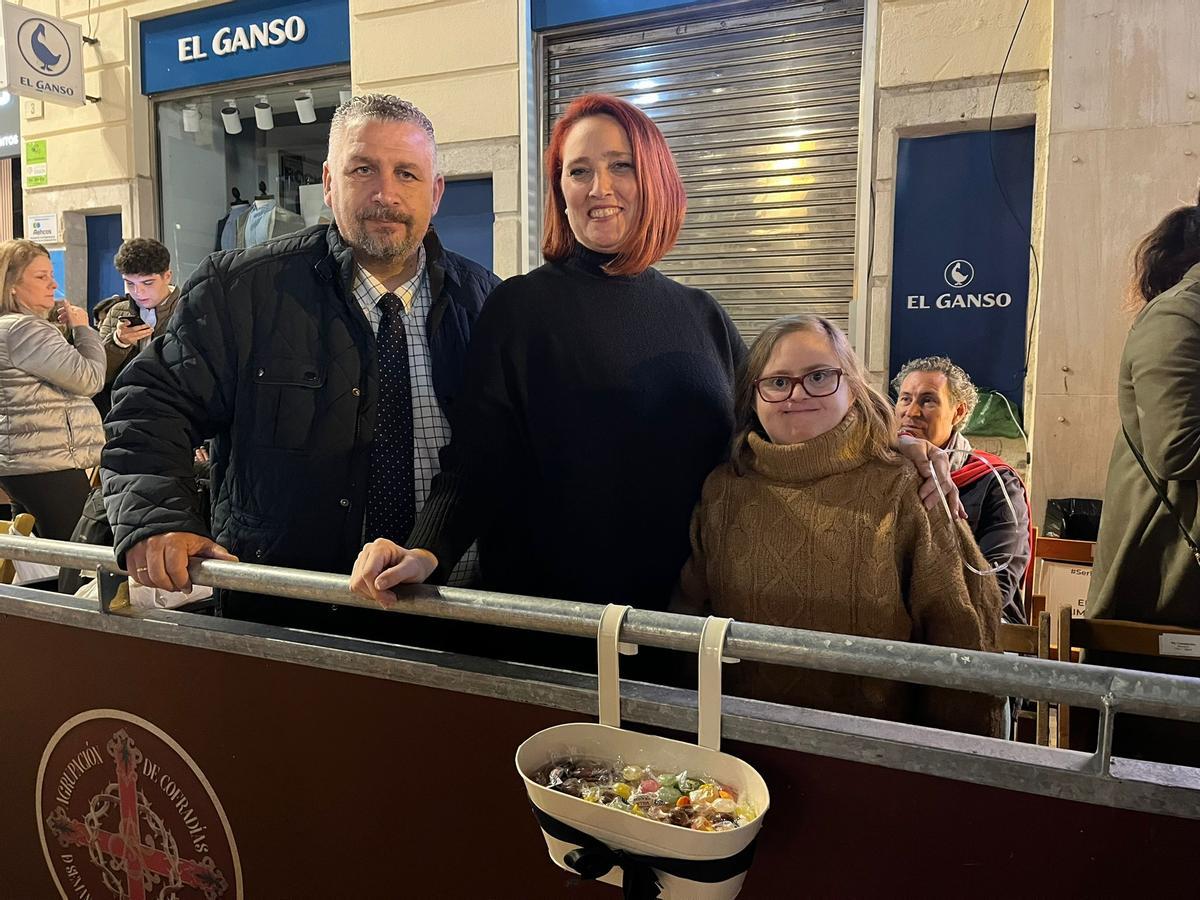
265, 220
227, 225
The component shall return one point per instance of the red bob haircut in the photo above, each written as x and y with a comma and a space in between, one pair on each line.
662, 199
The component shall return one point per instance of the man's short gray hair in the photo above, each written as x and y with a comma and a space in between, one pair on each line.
384, 107
958, 382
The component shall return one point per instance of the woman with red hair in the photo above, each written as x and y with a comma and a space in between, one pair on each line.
597, 396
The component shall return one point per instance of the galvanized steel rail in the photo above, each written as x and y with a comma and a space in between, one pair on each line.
1105, 689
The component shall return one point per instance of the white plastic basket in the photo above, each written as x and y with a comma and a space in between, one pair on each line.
686, 864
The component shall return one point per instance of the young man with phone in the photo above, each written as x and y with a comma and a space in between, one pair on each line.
129, 321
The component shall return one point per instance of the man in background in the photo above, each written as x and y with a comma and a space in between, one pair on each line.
128, 321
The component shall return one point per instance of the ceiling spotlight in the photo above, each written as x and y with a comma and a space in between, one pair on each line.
231, 118
262, 113
5, 96
344, 96
191, 118
304, 107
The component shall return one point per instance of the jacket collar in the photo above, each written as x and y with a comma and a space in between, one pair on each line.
166, 309
162, 312
339, 259
338, 264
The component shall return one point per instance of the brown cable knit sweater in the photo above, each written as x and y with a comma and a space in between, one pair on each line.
821, 536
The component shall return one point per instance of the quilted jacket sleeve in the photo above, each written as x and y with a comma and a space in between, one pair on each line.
169, 399
37, 347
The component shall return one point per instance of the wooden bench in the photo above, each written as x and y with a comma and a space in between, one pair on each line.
1031, 640
1112, 635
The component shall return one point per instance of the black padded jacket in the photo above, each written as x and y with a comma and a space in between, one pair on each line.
270, 356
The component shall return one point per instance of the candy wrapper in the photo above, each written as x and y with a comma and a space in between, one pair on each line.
687, 800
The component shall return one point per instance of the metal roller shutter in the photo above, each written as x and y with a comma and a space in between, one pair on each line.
760, 107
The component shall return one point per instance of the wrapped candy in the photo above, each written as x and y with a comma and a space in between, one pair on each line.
682, 799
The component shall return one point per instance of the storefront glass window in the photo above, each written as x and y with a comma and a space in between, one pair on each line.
240, 167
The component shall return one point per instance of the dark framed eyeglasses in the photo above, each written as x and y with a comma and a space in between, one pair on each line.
817, 383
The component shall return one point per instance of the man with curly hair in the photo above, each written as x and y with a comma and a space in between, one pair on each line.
934, 398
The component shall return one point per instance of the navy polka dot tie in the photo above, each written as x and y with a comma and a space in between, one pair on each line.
391, 495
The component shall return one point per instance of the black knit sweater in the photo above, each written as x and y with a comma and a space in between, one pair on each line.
594, 407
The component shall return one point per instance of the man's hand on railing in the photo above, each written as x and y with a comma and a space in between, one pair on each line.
382, 564
162, 561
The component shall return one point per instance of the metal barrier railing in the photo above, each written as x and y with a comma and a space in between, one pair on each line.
1105, 689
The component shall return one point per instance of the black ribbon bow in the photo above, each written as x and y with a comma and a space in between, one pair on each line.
595, 859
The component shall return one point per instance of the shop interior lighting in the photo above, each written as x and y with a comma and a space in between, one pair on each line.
191, 118
304, 107
344, 96
263, 114
231, 118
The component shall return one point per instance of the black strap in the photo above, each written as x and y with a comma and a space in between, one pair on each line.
1162, 496
595, 859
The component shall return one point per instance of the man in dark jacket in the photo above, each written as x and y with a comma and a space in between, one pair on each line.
934, 398
275, 353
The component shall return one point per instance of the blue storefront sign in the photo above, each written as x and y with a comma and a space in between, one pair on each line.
960, 270
558, 13
245, 39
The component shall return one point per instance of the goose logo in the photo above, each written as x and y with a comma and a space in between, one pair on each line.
959, 273
44, 47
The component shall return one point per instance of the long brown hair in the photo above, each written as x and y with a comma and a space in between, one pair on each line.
870, 405
15, 257
661, 195
1165, 254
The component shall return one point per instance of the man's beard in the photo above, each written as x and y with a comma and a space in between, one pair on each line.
383, 247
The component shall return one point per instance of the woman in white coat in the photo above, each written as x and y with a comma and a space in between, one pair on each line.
50, 431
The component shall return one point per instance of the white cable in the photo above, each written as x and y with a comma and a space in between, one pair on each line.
1007, 500
1013, 416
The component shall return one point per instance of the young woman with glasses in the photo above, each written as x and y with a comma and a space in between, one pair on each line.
814, 523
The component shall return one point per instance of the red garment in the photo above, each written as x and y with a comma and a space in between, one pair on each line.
975, 469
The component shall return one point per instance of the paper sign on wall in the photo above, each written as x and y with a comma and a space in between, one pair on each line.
35, 164
1064, 585
1179, 645
43, 228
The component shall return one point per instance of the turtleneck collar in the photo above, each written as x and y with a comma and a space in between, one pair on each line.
591, 262
842, 448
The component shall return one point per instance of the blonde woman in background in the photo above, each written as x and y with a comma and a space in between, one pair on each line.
50, 432
815, 523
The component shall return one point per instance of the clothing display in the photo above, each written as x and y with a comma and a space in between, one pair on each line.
264, 221
820, 535
227, 225
594, 408
293, 428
